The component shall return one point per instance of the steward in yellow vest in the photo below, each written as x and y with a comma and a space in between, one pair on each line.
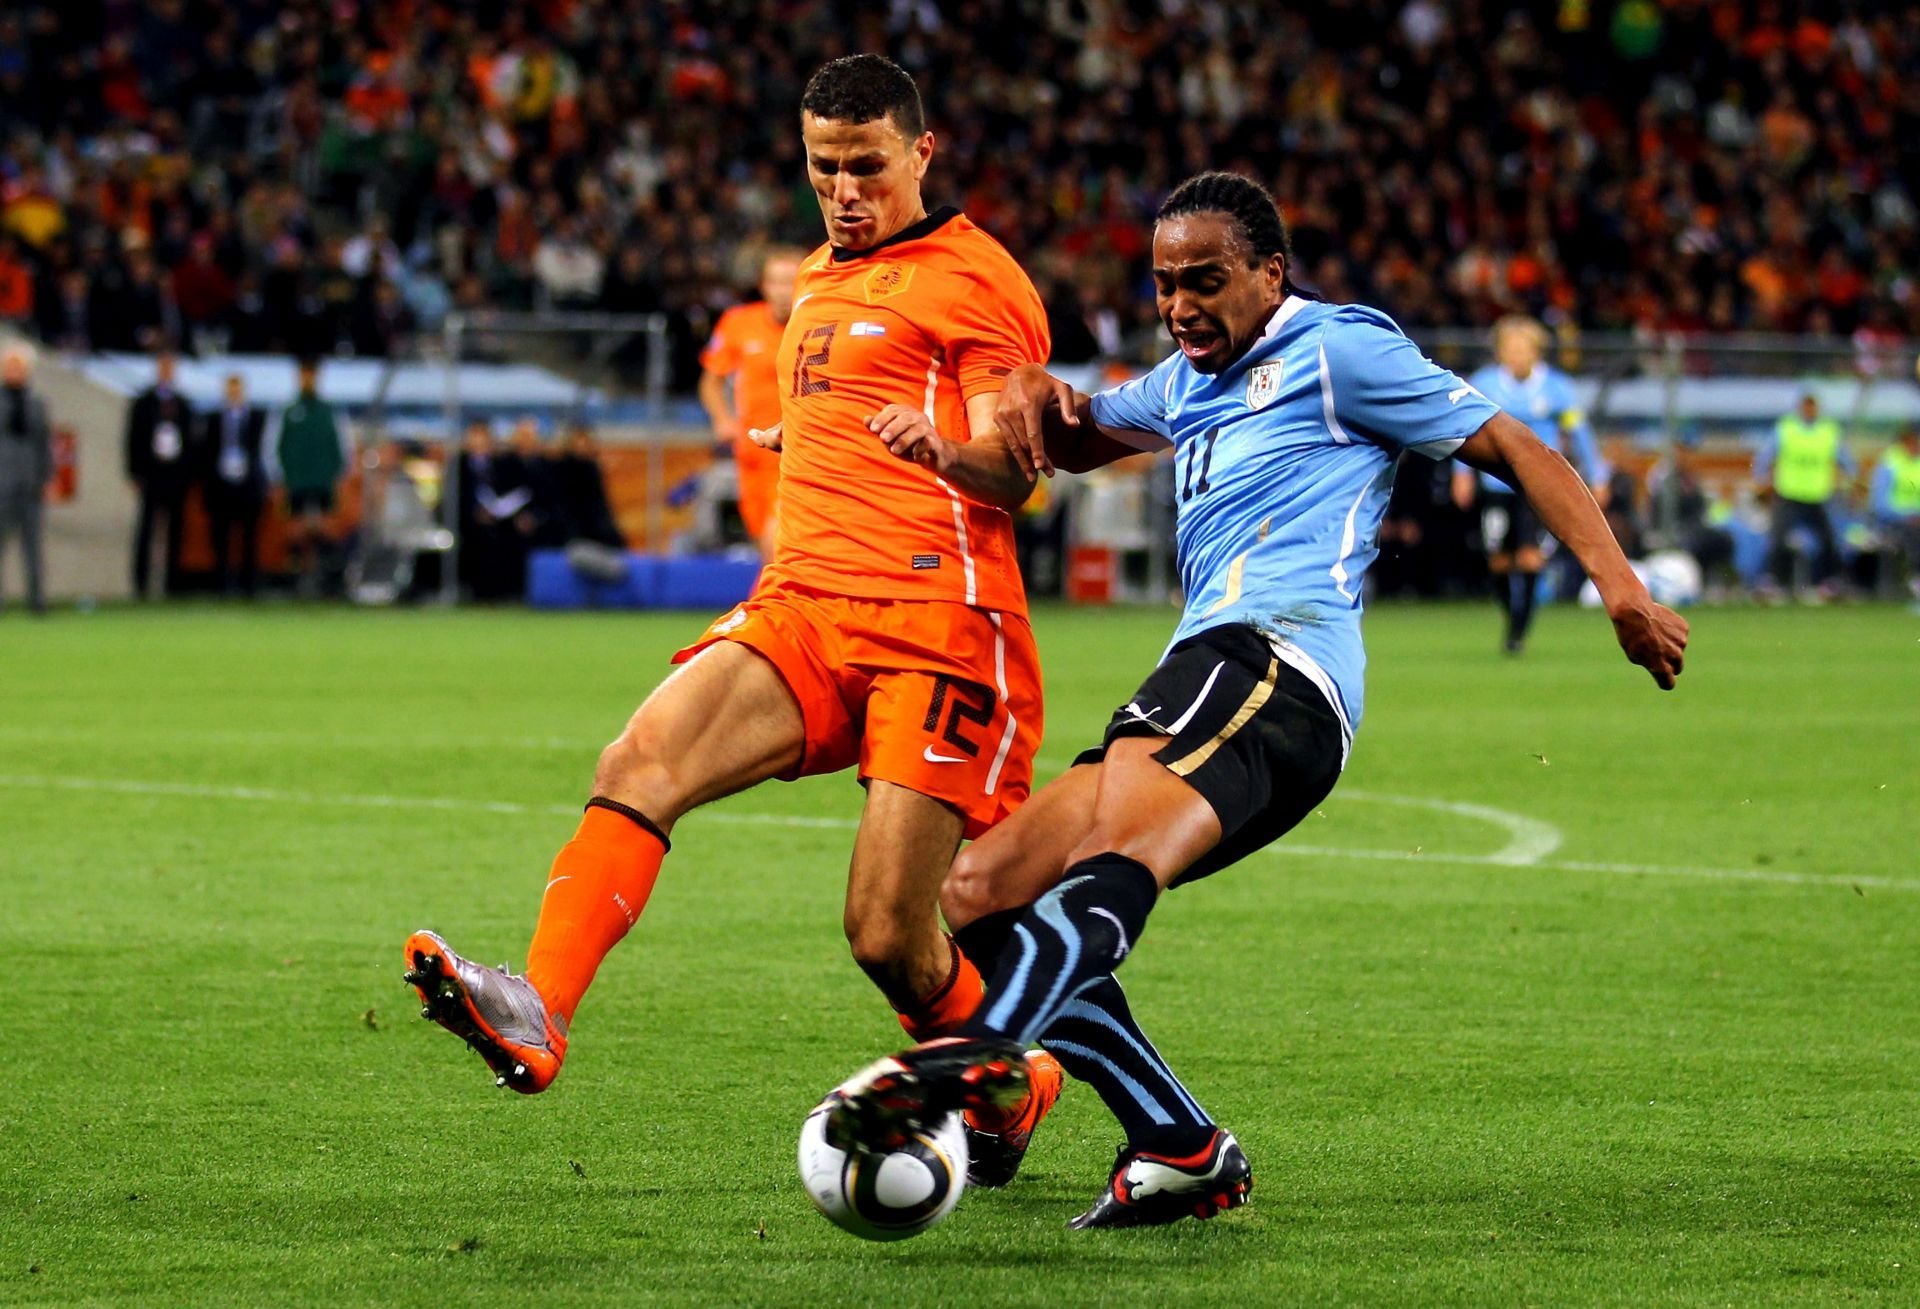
1802, 467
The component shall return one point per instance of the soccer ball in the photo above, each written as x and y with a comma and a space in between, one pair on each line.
884, 1195
1673, 578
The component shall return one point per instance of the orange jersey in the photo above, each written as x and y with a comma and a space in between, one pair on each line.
932, 317
746, 347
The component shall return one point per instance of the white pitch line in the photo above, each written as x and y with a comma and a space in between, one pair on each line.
1499, 859
1585, 866
195, 790
1528, 839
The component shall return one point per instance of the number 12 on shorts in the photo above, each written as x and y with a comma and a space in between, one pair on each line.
962, 702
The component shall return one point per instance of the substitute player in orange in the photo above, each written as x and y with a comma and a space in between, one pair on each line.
888, 632
740, 386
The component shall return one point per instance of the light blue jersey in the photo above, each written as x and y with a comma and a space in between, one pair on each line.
1546, 402
1283, 467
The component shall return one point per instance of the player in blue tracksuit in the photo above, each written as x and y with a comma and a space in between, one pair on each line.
1523, 384
1287, 418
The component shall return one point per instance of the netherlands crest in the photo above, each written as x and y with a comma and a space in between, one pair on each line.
887, 280
1263, 384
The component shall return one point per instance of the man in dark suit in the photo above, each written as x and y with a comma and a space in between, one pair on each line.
158, 427
26, 466
581, 510
233, 482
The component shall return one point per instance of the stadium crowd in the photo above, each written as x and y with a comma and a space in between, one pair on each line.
322, 178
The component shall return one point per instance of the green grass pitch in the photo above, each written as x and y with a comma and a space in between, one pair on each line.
1574, 993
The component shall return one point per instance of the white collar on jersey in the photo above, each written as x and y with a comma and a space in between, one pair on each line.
1290, 306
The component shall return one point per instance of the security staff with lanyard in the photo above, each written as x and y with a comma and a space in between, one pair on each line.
1800, 467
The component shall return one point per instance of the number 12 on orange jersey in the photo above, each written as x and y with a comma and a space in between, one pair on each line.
804, 382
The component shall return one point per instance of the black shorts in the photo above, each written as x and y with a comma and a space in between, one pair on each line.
1508, 523
318, 500
1254, 736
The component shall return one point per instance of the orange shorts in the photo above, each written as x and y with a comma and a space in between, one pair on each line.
935, 696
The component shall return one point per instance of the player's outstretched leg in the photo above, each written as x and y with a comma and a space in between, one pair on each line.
722, 723
1098, 1041
1070, 938
987, 888
599, 884
1177, 1162
1063, 945
998, 1139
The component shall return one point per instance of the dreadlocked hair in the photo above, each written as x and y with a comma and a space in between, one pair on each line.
1251, 208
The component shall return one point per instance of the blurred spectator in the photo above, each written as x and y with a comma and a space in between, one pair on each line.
65, 318
1073, 335
382, 323
581, 511
312, 453
526, 468
232, 477
26, 467
1611, 167
1620, 502
568, 268
158, 425
499, 516
137, 311
247, 329
16, 284
1896, 500
1800, 468
474, 471
203, 290
1687, 516
370, 253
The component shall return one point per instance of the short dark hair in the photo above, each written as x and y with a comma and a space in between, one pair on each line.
1249, 204
862, 88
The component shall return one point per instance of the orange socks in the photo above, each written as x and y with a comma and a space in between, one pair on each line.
599, 884
950, 1005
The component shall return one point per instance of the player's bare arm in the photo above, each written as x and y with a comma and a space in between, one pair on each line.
1048, 426
1652, 635
982, 468
1043, 428
719, 406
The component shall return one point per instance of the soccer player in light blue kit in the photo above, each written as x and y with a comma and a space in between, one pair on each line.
1287, 417
1522, 383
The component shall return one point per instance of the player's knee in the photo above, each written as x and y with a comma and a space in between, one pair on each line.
634, 770
974, 887
881, 944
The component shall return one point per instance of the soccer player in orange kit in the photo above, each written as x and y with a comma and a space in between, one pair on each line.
745, 350
888, 631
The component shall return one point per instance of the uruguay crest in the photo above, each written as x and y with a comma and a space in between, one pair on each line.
1263, 384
